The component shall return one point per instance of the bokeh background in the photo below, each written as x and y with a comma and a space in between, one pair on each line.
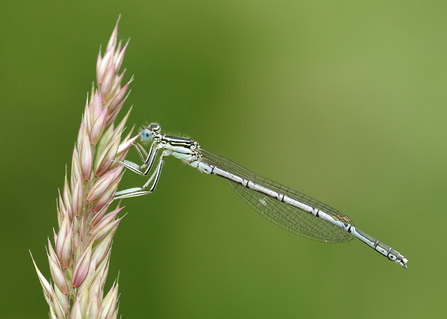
342, 100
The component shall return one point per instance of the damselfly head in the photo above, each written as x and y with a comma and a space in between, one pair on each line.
148, 133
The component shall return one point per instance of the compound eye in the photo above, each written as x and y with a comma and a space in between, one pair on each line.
146, 135
154, 127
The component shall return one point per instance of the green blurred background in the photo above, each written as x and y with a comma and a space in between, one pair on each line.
342, 100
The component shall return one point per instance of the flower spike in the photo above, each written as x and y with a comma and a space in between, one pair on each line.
79, 262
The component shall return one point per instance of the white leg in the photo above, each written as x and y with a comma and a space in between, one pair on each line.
149, 160
141, 191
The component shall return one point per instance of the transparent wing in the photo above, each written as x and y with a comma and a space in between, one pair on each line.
286, 216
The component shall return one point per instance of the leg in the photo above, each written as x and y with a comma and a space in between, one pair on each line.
148, 159
141, 191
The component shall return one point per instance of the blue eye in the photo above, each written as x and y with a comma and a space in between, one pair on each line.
146, 136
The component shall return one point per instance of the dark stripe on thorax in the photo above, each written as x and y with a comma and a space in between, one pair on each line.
178, 141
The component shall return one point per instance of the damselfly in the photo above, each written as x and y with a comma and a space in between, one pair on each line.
285, 207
